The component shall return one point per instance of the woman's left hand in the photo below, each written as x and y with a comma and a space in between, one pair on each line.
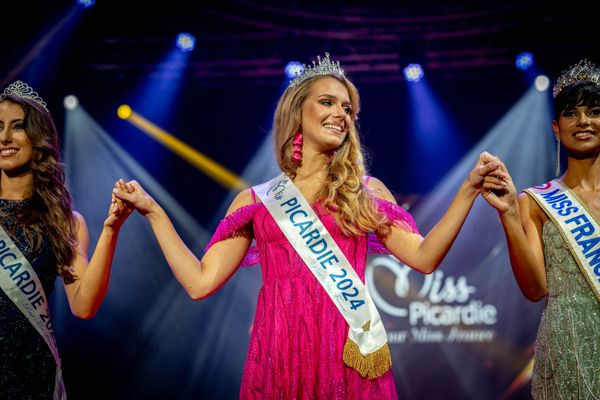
486, 165
118, 211
500, 192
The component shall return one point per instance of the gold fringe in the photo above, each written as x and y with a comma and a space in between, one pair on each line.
372, 365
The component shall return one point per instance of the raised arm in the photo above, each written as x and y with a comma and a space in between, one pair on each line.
426, 253
200, 278
86, 293
522, 220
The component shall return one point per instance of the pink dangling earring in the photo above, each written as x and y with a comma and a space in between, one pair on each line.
297, 146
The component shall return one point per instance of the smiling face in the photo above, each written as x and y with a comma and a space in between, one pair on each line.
579, 130
577, 119
16, 150
326, 115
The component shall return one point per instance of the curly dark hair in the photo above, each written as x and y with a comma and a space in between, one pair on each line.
51, 204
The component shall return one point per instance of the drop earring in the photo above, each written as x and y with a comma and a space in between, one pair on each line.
297, 147
558, 156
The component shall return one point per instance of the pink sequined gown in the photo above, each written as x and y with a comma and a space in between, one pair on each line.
298, 336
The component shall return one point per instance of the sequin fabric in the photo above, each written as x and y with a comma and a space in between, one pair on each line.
567, 348
27, 368
238, 224
298, 336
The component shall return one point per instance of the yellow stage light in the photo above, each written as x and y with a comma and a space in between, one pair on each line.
124, 111
210, 167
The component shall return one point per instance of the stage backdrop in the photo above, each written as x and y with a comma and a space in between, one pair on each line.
463, 332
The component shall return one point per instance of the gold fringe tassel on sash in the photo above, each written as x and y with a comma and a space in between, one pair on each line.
372, 365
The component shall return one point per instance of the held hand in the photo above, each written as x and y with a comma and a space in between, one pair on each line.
133, 195
486, 165
499, 190
118, 211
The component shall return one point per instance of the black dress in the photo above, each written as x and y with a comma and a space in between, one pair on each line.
27, 368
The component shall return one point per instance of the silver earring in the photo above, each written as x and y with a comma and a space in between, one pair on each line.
558, 156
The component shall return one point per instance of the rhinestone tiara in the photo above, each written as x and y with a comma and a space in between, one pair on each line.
24, 91
322, 67
584, 70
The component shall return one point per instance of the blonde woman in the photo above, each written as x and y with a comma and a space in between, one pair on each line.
316, 332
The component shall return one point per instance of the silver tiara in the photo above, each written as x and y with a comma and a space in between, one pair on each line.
323, 67
24, 91
584, 70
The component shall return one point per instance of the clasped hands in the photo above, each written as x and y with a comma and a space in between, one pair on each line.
495, 184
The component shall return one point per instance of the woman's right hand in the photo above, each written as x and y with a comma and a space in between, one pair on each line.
499, 190
135, 196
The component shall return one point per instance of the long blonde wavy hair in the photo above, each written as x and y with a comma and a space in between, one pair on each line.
52, 209
344, 192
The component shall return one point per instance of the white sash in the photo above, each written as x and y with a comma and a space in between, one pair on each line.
22, 285
366, 349
577, 226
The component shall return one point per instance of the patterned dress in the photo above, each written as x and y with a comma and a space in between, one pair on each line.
298, 335
27, 368
567, 348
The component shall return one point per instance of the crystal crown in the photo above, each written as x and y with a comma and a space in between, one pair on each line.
322, 67
24, 91
584, 70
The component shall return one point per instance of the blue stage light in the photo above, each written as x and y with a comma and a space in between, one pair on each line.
524, 60
86, 3
293, 69
186, 42
413, 72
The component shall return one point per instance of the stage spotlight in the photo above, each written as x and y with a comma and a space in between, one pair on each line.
413, 72
71, 102
542, 83
124, 111
293, 69
186, 42
524, 60
86, 3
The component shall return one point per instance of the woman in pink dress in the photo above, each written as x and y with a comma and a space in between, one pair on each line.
298, 341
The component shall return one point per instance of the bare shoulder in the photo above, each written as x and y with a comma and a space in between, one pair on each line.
83, 236
79, 220
531, 209
244, 198
378, 189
